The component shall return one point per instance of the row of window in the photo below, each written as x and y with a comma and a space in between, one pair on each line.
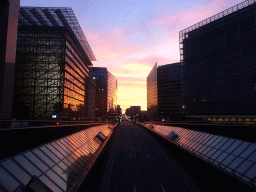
76, 59
73, 77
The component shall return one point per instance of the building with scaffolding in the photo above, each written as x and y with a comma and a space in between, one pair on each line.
219, 60
52, 62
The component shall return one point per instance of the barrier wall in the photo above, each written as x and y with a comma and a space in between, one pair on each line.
54, 166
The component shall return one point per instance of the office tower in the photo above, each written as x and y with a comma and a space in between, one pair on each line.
152, 100
52, 62
169, 90
106, 91
219, 60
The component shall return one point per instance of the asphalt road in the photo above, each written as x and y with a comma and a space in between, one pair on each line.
138, 163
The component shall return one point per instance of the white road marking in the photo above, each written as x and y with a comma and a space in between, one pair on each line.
163, 188
160, 150
134, 188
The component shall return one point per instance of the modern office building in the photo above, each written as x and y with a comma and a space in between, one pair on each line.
164, 92
8, 40
219, 60
52, 62
152, 99
106, 91
169, 90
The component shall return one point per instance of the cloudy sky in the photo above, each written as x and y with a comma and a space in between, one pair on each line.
130, 36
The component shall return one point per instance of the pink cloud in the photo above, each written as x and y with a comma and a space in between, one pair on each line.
109, 44
174, 22
151, 60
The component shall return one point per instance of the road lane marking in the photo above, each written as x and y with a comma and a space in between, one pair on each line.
115, 144
160, 150
134, 188
162, 188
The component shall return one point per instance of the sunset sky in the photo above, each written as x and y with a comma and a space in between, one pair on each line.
130, 36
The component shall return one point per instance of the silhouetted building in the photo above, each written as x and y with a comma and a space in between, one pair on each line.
152, 99
143, 115
169, 90
52, 62
92, 88
220, 63
106, 91
8, 40
133, 110
164, 92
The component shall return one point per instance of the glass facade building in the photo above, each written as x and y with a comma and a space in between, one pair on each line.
219, 60
152, 99
106, 91
52, 62
8, 33
169, 91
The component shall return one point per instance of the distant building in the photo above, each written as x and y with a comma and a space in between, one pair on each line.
106, 91
133, 110
8, 40
152, 99
219, 60
52, 60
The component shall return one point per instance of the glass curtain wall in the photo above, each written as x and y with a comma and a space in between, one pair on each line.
112, 92
152, 99
53, 56
38, 73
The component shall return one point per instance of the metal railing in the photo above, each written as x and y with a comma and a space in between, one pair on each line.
18, 124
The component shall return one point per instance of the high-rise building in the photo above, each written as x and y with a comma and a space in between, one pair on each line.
8, 40
219, 60
106, 91
52, 62
169, 90
152, 99
91, 98
164, 92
